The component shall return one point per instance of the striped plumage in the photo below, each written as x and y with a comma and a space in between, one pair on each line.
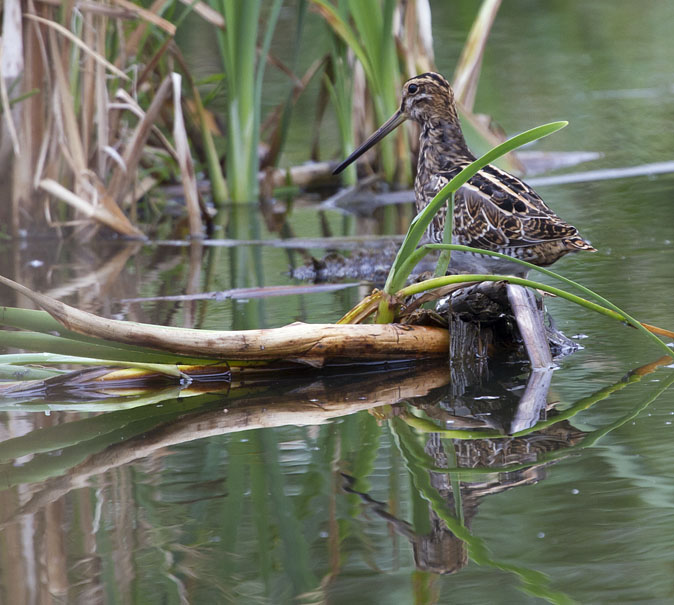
494, 210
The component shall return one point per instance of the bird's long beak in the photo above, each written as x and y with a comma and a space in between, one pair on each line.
391, 124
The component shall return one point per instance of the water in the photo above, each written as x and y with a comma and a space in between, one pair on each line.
221, 497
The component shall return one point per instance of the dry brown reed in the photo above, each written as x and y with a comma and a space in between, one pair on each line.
80, 153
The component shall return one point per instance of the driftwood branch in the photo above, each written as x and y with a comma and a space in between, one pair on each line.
314, 344
530, 323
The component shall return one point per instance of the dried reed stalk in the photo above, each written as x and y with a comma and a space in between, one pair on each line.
76, 145
415, 36
467, 73
109, 215
124, 175
77, 42
7, 112
189, 179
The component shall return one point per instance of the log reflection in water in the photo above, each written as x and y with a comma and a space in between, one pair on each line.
242, 409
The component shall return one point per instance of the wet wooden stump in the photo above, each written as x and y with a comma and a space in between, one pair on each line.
498, 319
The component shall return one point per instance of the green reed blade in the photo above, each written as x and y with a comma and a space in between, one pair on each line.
372, 42
340, 96
532, 581
341, 27
614, 312
244, 72
41, 332
11, 372
445, 255
397, 277
55, 358
610, 309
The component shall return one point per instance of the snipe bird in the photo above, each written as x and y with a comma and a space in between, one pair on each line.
494, 210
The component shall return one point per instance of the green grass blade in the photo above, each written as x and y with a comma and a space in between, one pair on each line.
438, 282
112, 429
617, 312
46, 343
55, 334
372, 42
367, 19
425, 425
396, 277
14, 373
445, 255
340, 94
238, 49
346, 33
532, 581
262, 63
51, 358
39, 403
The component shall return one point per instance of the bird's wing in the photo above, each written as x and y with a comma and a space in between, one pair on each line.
496, 210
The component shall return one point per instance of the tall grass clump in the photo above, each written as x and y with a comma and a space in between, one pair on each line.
366, 27
339, 85
244, 71
382, 43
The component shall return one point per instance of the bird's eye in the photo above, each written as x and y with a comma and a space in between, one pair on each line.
412, 88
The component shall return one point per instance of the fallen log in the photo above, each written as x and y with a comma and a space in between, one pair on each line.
313, 344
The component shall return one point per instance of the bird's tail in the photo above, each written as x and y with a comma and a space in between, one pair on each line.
578, 243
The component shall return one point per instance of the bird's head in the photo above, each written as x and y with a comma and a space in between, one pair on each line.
424, 97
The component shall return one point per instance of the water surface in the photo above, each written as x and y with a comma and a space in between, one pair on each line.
334, 487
